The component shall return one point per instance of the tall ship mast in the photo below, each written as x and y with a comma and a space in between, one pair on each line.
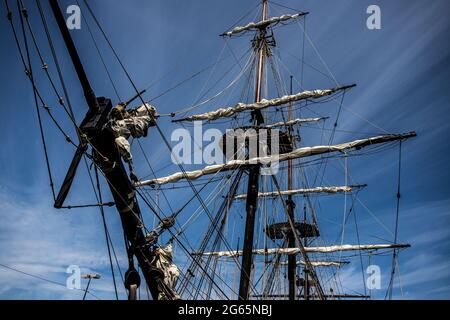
247, 228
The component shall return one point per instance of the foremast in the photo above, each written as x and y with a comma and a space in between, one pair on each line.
107, 158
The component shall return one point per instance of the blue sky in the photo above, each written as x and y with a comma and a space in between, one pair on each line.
402, 72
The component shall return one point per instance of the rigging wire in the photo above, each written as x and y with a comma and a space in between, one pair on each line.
97, 192
156, 125
29, 72
100, 55
105, 227
302, 66
72, 117
58, 67
118, 96
336, 82
159, 218
62, 81
181, 82
179, 242
394, 254
194, 188
360, 255
59, 127
232, 83
64, 285
283, 6
41, 58
39, 96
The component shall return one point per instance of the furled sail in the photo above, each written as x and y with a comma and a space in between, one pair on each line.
294, 122
320, 263
288, 251
164, 262
298, 153
275, 194
264, 23
264, 103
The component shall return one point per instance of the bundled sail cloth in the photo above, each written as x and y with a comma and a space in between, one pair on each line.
294, 122
288, 251
263, 24
164, 262
275, 194
125, 123
298, 153
264, 103
319, 263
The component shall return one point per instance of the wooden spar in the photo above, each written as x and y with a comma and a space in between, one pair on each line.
298, 153
320, 263
109, 160
294, 122
253, 178
227, 112
289, 251
331, 190
89, 94
263, 24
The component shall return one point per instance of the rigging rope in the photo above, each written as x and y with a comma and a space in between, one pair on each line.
156, 125
360, 255
237, 78
105, 227
109, 243
39, 96
100, 55
29, 70
64, 285
57, 65
37, 92
394, 255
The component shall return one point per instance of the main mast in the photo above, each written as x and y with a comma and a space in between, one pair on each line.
292, 259
253, 177
295, 232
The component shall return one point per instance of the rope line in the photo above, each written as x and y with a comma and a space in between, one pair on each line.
44, 279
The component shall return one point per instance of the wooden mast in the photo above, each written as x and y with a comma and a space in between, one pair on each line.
109, 160
261, 47
253, 177
292, 265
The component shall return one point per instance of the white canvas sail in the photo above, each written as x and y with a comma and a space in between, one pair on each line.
275, 194
294, 122
298, 153
319, 263
288, 251
264, 103
263, 24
